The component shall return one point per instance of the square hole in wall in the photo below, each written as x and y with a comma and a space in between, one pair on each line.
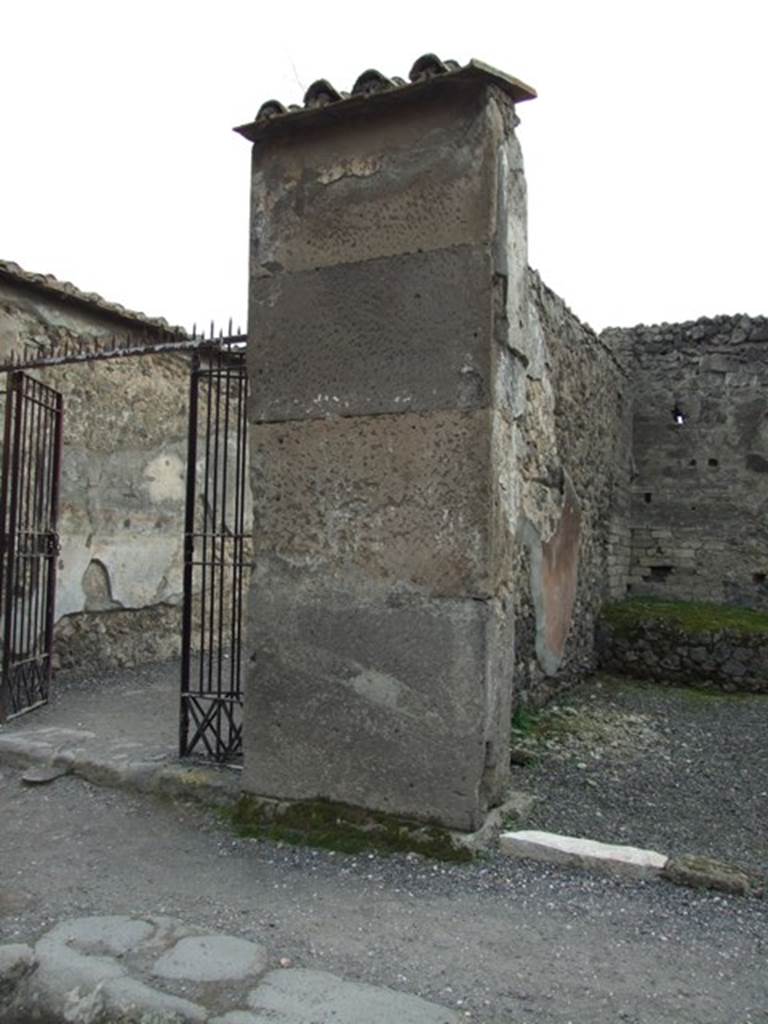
658, 573
712, 462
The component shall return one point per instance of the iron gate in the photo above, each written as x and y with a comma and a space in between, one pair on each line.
29, 543
216, 555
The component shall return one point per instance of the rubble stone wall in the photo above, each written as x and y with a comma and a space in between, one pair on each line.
700, 488
573, 464
725, 659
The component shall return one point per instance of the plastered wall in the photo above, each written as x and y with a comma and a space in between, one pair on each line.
122, 486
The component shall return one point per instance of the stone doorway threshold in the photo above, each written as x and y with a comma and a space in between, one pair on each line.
116, 728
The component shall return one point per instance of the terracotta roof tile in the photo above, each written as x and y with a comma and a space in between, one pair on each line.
63, 289
321, 98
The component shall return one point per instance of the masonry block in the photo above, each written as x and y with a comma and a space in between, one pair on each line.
374, 695
412, 179
386, 297
389, 335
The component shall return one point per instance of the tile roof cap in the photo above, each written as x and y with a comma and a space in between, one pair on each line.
322, 101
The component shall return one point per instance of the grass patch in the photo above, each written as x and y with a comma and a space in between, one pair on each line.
677, 690
340, 827
524, 722
688, 616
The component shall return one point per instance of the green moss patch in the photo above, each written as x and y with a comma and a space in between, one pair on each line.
342, 828
626, 617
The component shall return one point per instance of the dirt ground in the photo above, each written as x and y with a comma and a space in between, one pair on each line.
506, 942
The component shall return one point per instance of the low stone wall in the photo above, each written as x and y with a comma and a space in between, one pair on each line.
112, 639
666, 651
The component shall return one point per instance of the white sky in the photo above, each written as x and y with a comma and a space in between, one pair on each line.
646, 152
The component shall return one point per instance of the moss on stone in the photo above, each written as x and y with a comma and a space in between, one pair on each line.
627, 617
343, 828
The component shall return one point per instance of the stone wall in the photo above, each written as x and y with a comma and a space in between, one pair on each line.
388, 288
700, 487
574, 465
439, 459
122, 486
725, 659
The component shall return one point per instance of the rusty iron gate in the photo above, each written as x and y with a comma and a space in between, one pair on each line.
216, 555
29, 543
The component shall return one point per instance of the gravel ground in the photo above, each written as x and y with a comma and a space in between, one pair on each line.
673, 769
507, 942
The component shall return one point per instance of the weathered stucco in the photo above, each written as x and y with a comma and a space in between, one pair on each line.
122, 483
572, 463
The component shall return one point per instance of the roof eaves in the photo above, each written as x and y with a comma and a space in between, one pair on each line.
69, 292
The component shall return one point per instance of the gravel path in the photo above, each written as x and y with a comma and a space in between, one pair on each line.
673, 769
507, 942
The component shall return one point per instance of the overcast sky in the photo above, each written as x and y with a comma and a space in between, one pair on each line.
646, 152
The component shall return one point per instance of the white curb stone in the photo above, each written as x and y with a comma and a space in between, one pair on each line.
583, 853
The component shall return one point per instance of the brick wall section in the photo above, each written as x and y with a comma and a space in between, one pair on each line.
700, 488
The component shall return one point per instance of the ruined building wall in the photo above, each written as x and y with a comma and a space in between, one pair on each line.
122, 487
700, 490
438, 452
574, 465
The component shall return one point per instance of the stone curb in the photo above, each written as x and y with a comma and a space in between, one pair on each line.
689, 870
220, 787
199, 783
50, 752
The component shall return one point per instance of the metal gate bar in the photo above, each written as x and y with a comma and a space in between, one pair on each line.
215, 562
29, 544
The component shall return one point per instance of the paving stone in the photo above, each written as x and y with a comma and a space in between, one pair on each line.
706, 873
16, 960
38, 776
211, 958
298, 996
241, 1017
127, 998
115, 935
582, 853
